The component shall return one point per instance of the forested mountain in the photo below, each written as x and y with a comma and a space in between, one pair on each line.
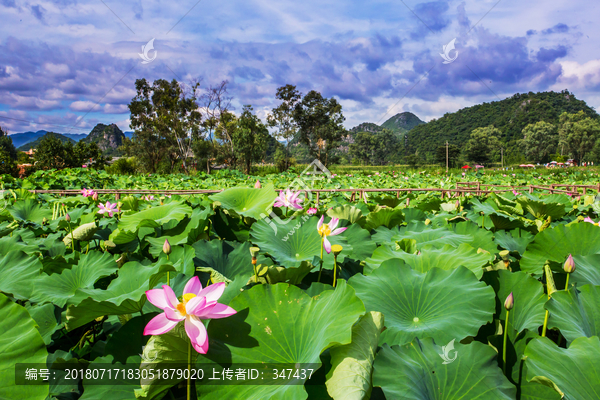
34, 144
509, 116
19, 139
107, 137
402, 122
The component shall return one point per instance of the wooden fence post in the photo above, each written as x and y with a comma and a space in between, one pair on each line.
317, 202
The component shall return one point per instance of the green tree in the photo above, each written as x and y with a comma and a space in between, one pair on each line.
6, 145
578, 134
320, 127
282, 116
166, 122
539, 141
483, 144
378, 148
453, 155
249, 138
51, 154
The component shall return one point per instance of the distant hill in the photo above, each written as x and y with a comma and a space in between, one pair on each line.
19, 139
108, 138
510, 116
128, 134
402, 122
34, 144
367, 127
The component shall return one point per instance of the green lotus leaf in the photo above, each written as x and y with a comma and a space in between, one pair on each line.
529, 298
575, 312
279, 324
575, 371
350, 377
127, 341
555, 244
29, 210
155, 216
441, 304
46, 318
165, 349
253, 203
188, 231
125, 295
423, 234
20, 342
12, 243
119, 236
296, 241
230, 259
416, 371
120, 389
480, 238
587, 270
387, 217
348, 212
60, 288
516, 240
381, 255
19, 271
542, 210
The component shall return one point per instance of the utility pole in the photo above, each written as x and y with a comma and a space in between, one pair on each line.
502, 153
446, 156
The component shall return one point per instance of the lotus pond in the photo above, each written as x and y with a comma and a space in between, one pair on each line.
410, 297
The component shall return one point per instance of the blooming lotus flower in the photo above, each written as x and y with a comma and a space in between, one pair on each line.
516, 193
87, 192
288, 199
569, 265
108, 208
196, 304
328, 230
311, 211
509, 302
84, 166
591, 221
257, 184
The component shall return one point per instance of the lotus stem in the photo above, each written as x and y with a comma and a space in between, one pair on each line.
334, 269
189, 379
504, 345
72, 240
545, 325
567, 283
321, 267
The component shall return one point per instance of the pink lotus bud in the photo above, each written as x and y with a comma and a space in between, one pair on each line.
257, 184
569, 265
67, 217
167, 247
95, 196
510, 302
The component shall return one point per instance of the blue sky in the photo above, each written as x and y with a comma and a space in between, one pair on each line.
66, 65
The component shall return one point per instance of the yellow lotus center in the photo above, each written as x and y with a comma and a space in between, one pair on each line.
181, 306
324, 230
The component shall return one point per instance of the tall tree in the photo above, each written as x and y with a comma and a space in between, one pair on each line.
453, 155
539, 141
282, 116
8, 154
249, 138
166, 120
578, 134
483, 144
320, 125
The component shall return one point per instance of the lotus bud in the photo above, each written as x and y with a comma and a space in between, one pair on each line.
44, 221
510, 302
95, 196
254, 252
167, 247
67, 217
569, 265
257, 184
336, 249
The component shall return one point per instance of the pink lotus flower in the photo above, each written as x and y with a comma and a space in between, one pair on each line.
288, 199
311, 211
84, 166
516, 193
328, 230
196, 304
591, 221
87, 192
257, 184
148, 198
108, 208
